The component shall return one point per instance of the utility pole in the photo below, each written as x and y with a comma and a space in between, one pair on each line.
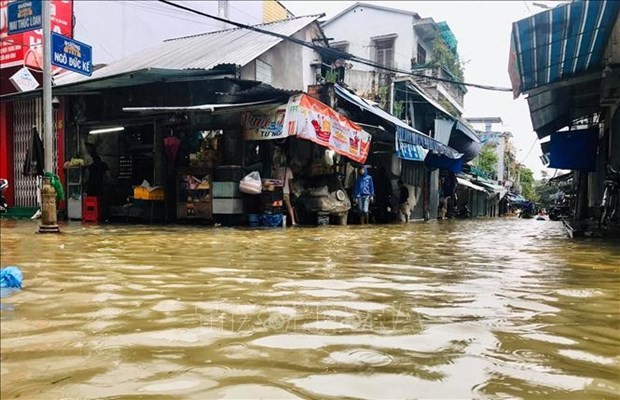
48, 124
48, 193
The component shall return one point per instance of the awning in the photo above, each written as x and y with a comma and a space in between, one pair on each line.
493, 188
405, 134
465, 141
553, 108
459, 125
210, 108
462, 138
516, 198
466, 183
560, 43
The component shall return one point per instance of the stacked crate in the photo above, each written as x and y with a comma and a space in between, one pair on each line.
227, 199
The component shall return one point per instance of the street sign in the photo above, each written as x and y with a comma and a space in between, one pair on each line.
25, 15
72, 55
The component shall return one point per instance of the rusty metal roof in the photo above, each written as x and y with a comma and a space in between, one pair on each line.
206, 51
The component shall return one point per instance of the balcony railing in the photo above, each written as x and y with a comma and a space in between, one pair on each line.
455, 90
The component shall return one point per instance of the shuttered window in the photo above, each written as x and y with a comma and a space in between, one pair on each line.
385, 52
421, 55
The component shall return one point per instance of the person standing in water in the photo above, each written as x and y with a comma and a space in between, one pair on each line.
363, 193
284, 173
403, 203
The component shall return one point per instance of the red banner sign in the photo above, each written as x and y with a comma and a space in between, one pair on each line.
312, 120
25, 48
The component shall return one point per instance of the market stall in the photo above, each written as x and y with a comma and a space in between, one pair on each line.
308, 147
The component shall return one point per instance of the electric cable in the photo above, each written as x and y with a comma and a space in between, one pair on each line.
100, 45
529, 151
333, 52
176, 14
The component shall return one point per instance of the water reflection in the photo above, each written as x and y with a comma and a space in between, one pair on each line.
485, 309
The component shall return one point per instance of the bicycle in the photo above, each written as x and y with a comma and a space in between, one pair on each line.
609, 205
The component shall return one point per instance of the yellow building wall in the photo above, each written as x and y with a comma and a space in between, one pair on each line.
273, 11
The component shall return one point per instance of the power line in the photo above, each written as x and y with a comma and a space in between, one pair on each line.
100, 45
529, 151
333, 52
166, 13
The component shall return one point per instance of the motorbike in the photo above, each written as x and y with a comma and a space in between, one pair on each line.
4, 184
610, 203
560, 212
462, 212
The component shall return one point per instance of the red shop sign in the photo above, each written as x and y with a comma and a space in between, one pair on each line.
25, 48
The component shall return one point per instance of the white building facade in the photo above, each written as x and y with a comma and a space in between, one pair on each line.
393, 38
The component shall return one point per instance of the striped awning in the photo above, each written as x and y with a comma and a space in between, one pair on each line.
560, 43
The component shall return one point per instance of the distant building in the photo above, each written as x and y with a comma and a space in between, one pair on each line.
502, 143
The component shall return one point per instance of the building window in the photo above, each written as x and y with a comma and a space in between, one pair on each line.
263, 72
385, 52
421, 55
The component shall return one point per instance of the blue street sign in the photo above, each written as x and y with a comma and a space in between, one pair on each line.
25, 15
72, 55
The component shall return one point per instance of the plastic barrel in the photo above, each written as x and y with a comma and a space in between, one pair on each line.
253, 220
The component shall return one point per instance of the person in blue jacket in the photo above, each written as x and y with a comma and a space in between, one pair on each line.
363, 193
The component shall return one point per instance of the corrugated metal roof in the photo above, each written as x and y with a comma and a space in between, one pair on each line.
560, 43
200, 52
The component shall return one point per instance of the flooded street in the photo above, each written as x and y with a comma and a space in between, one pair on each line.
465, 309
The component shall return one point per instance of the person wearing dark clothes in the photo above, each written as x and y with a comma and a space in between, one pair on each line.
363, 192
97, 171
403, 203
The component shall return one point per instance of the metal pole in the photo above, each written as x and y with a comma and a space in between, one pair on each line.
392, 97
48, 134
48, 193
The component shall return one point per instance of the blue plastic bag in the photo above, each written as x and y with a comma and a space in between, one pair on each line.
11, 277
271, 220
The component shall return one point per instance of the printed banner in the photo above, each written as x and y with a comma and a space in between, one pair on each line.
264, 125
312, 120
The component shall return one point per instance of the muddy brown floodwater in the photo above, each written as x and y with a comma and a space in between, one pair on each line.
465, 309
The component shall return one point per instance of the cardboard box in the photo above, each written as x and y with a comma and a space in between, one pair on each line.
227, 206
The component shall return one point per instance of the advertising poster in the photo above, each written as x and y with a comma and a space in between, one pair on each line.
264, 124
312, 120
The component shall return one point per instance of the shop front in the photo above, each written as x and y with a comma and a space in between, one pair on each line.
186, 164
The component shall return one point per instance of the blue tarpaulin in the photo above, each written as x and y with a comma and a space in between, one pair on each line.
560, 43
442, 162
575, 150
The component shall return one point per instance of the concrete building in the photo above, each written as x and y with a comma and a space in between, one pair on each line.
396, 39
501, 141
